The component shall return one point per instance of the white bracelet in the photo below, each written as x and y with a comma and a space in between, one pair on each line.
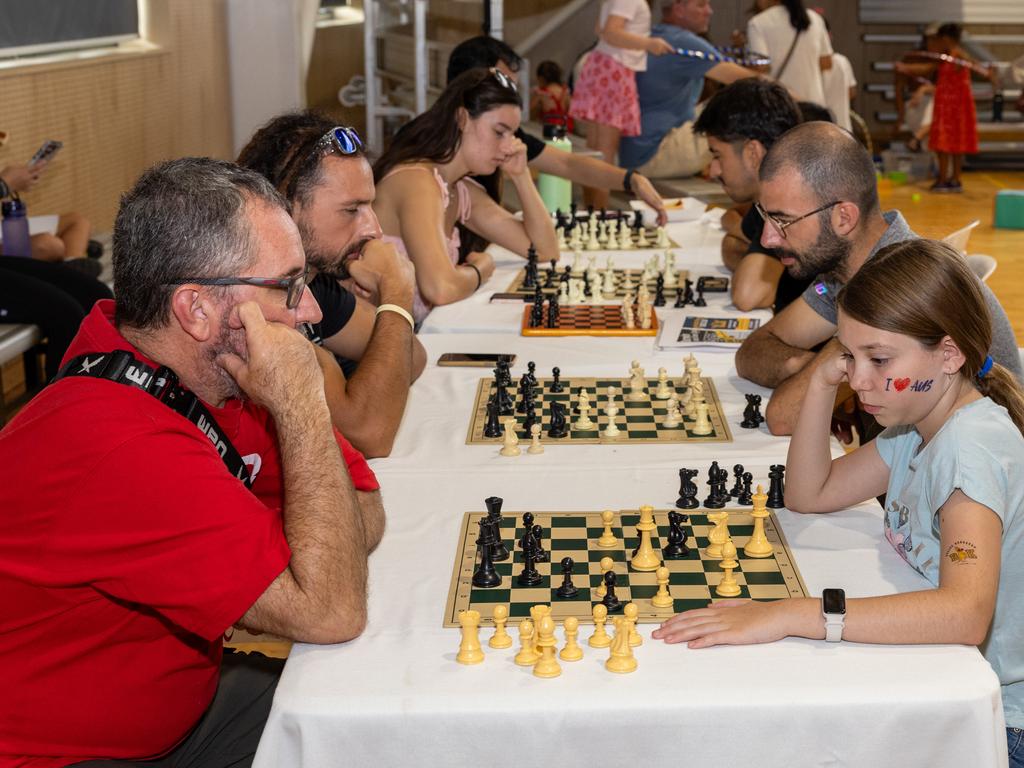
398, 311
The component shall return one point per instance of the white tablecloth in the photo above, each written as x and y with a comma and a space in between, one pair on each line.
395, 696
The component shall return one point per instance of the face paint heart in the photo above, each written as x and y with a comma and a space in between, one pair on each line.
901, 384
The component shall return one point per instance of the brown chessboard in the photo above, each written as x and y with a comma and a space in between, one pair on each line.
574, 534
639, 422
516, 286
587, 320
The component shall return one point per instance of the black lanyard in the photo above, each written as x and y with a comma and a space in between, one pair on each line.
162, 383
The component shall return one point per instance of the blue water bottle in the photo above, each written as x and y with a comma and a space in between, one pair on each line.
15, 229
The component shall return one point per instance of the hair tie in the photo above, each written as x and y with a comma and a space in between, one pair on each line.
986, 367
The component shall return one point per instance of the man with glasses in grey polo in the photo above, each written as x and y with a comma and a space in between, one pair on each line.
819, 198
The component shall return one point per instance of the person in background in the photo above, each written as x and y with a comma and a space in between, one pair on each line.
549, 98
839, 85
605, 95
796, 40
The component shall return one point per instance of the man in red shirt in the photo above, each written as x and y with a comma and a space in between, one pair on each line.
129, 544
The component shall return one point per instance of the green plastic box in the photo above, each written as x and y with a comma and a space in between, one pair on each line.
1010, 209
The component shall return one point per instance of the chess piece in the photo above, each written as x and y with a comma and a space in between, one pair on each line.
600, 638
637, 383
547, 665
530, 576
676, 548
630, 612
552, 316
510, 446
687, 490
611, 411
699, 301
645, 558
659, 292
499, 552
607, 539
746, 498
556, 380
641, 238
621, 659
560, 233
559, 426
567, 590
672, 418
606, 565
572, 650
718, 535
609, 600
713, 501
485, 576
703, 424
537, 612
584, 423
662, 599
689, 363
728, 587
737, 475
527, 655
758, 545
538, 551
663, 391
612, 241
469, 648
776, 486
662, 240
628, 322
680, 298
500, 638
535, 446
563, 294
492, 427
752, 417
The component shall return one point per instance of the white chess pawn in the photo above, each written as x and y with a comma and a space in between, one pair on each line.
703, 423
563, 294
663, 392
595, 289
592, 241
662, 241
602, 232
669, 275
672, 419
612, 242
642, 241
535, 444
576, 261
608, 285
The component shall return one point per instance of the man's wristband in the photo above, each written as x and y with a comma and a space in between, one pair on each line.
398, 311
627, 180
479, 277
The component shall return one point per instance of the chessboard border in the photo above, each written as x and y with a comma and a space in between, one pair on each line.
542, 331
710, 395
773, 532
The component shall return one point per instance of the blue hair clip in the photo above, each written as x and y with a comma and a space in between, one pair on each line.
986, 367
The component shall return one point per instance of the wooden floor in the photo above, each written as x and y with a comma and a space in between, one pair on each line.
932, 215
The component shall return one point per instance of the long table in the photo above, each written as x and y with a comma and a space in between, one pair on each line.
396, 696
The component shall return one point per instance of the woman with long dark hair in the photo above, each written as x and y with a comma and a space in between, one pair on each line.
422, 189
798, 43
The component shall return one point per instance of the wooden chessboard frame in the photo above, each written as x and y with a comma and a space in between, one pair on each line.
647, 413
575, 534
516, 286
588, 320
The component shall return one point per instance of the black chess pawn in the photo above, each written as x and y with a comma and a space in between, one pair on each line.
531, 418
525, 393
530, 576
720, 490
752, 417
737, 475
676, 548
499, 550
558, 427
566, 274
713, 500
687, 291
638, 220
680, 298
531, 371
492, 427
573, 207
552, 313
746, 499
568, 590
659, 291
556, 380
549, 281
776, 486
610, 601
542, 555
485, 575
687, 489
699, 301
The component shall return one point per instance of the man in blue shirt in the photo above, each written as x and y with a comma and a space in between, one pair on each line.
669, 91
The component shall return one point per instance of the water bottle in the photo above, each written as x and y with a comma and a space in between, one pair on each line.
15, 229
555, 191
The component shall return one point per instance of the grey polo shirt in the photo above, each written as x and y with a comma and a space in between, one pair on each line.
821, 297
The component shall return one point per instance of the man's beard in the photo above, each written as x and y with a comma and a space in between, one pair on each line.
229, 341
331, 263
826, 257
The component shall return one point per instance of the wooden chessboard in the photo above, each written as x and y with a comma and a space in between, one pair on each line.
639, 422
621, 275
574, 534
588, 320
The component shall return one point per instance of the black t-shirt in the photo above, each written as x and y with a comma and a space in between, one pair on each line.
336, 303
789, 288
534, 146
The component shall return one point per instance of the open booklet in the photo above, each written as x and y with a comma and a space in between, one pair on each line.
710, 328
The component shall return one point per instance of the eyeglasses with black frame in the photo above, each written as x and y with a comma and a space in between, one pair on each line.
293, 285
782, 226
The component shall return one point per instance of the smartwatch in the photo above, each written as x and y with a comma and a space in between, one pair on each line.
833, 608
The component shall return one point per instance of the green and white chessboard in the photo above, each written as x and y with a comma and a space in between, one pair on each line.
574, 534
639, 422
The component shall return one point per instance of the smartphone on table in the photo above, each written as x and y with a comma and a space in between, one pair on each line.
474, 359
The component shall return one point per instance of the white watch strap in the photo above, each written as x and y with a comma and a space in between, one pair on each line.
834, 627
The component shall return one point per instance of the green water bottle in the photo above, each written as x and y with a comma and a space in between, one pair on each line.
555, 191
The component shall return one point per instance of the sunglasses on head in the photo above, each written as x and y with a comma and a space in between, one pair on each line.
340, 138
504, 79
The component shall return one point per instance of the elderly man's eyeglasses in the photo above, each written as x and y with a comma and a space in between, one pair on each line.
294, 285
782, 226
504, 79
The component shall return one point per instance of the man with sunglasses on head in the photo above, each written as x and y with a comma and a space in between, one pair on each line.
485, 51
364, 286
819, 199
180, 476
